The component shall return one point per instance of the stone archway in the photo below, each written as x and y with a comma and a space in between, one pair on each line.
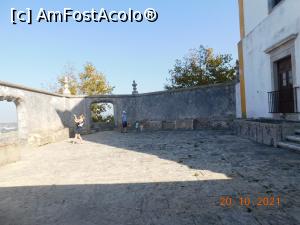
21, 112
98, 125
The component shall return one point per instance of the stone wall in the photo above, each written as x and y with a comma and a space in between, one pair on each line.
264, 131
9, 153
205, 102
39, 113
43, 114
46, 117
175, 109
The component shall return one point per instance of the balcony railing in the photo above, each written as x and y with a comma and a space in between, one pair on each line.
283, 101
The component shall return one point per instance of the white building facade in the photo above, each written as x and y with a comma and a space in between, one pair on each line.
269, 55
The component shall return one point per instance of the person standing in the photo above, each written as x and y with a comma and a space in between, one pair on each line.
137, 126
124, 122
79, 122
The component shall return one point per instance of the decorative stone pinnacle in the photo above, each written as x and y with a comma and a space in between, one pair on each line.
66, 86
134, 92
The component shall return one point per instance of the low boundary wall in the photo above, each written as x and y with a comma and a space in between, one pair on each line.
45, 117
265, 132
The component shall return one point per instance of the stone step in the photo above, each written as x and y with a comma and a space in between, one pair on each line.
293, 138
297, 131
290, 146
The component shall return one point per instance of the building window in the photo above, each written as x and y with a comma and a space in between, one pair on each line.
273, 3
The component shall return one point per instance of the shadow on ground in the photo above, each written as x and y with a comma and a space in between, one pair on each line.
252, 171
172, 203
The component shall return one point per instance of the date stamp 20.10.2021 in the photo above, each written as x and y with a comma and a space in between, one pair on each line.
250, 201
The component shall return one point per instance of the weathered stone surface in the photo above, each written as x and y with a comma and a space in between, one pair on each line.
213, 123
43, 138
43, 116
152, 125
37, 111
187, 124
9, 148
41, 112
9, 153
269, 133
159, 178
201, 102
168, 125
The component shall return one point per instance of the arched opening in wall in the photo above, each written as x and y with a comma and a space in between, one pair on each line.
102, 116
8, 123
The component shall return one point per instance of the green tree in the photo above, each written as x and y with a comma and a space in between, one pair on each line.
93, 82
201, 67
98, 113
88, 82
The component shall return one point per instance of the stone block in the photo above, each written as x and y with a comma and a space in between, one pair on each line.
185, 124
220, 124
268, 139
201, 123
213, 123
9, 153
168, 125
43, 138
152, 125
268, 131
259, 137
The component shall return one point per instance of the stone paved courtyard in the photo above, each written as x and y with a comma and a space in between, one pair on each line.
155, 178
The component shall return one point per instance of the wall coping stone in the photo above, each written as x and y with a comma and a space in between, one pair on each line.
11, 85
21, 87
227, 84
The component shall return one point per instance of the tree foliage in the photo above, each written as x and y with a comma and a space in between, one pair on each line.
99, 113
201, 67
89, 82
93, 82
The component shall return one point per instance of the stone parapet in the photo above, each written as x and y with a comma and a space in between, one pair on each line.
43, 138
9, 153
265, 131
185, 124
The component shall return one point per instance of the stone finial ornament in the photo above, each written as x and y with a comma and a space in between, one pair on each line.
66, 86
134, 85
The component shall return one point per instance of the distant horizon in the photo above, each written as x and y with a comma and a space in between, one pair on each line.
9, 123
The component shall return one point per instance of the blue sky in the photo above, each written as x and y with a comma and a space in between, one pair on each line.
36, 54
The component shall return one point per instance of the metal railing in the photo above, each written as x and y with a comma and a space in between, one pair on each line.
283, 101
